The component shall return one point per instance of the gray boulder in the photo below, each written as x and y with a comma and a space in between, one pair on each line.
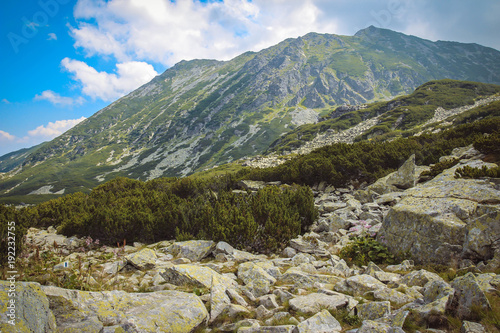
193, 275
469, 296
194, 250
445, 220
164, 311
30, 312
374, 310
405, 176
321, 322
315, 302
145, 259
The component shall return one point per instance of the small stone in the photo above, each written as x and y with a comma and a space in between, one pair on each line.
236, 297
471, 327
289, 252
269, 301
262, 312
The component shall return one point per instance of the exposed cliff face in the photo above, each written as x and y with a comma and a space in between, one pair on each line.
205, 112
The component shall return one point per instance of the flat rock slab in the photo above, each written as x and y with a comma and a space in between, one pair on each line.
163, 311
316, 302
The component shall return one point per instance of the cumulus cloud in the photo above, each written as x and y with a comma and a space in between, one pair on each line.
52, 36
57, 99
166, 32
109, 86
53, 129
6, 137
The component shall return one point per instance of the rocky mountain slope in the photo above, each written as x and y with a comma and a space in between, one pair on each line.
311, 286
202, 113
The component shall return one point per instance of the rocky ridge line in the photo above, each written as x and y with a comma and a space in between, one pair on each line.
347, 136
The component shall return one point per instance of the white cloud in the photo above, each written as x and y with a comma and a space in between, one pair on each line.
5, 100
109, 86
52, 36
57, 99
53, 129
6, 137
167, 32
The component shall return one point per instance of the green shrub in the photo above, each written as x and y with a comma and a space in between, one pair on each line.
130, 210
469, 172
341, 164
437, 168
362, 250
488, 144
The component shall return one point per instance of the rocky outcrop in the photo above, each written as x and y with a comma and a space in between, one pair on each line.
24, 307
166, 311
446, 220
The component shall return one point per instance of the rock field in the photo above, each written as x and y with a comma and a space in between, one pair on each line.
203, 286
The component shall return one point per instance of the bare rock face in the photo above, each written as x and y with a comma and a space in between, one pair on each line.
446, 220
166, 311
30, 312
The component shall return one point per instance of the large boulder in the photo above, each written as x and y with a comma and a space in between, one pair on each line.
163, 311
320, 322
405, 176
359, 285
218, 298
144, 259
438, 296
468, 296
374, 310
30, 312
251, 272
194, 250
445, 220
193, 275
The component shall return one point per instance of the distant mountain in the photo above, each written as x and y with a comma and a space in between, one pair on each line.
201, 113
16, 158
431, 107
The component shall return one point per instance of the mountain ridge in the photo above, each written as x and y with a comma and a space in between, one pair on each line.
202, 113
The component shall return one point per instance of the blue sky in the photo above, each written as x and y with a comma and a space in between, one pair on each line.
63, 60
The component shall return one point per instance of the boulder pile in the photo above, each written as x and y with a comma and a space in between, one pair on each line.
205, 286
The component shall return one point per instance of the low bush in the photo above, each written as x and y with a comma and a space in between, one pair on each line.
469, 172
362, 250
135, 211
437, 168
